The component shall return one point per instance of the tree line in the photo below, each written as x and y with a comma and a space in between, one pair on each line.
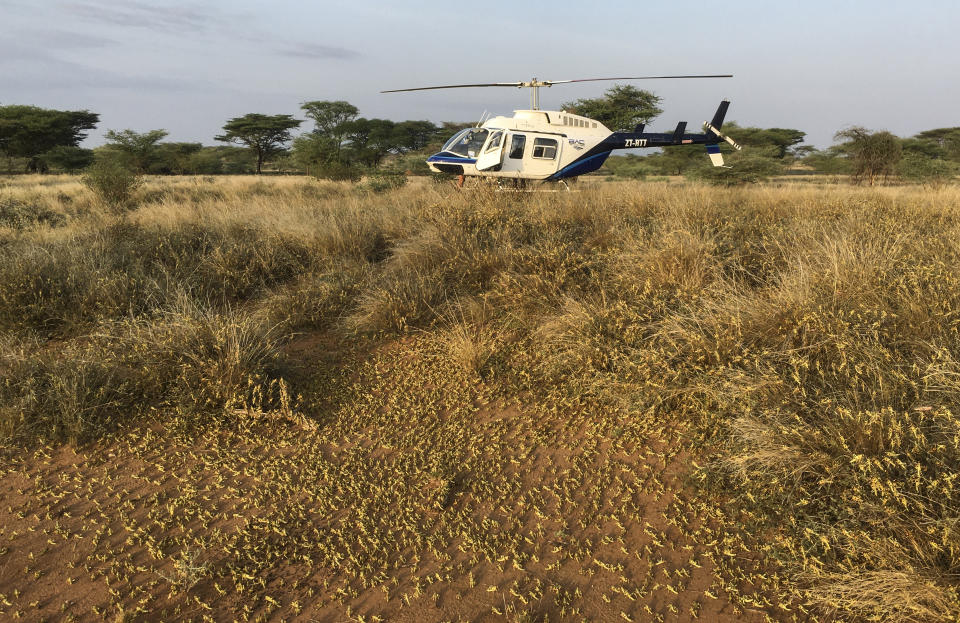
39, 140
342, 144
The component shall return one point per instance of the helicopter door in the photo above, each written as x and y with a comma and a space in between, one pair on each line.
513, 150
492, 156
544, 157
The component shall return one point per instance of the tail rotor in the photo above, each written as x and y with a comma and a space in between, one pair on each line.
713, 127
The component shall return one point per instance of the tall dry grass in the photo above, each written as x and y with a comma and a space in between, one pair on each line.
804, 338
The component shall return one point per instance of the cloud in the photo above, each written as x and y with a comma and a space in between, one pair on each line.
142, 15
45, 73
38, 45
13, 52
65, 40
317, 51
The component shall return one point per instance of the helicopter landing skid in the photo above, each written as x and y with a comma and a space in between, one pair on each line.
508, 185
535, 190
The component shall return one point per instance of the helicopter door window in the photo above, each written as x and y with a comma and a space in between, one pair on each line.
545, 148
495, 140
516, 146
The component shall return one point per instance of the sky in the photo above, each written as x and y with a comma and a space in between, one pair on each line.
187, 67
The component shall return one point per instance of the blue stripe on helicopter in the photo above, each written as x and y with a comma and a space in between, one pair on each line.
452, 159
584, 165
713, 148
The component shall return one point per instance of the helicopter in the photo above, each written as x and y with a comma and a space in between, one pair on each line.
556, 145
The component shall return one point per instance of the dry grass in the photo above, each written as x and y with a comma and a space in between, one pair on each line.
569, 357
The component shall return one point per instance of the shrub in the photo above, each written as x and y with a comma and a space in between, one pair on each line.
628, 167
384, 182
112, 182
339, 172
60, 285
752, 167
20, 215
68, 158
932, 172
191, 361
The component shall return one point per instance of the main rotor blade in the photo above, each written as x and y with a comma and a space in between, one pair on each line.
459, 86
639, 78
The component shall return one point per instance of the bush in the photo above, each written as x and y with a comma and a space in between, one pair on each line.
413, 163
19, 215
192, 361
384, 182
339, 172
629, 167
932, 172
112, 182
129, 269
68, 158
752, 167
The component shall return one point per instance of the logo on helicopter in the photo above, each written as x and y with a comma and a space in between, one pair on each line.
576, 143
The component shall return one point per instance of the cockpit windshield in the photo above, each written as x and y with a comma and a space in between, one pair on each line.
467, 143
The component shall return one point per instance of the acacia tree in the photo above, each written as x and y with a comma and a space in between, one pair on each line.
413, 135
175, 157
677, 160
68, 158
946, 139
622, 107
331, 119
871, 153
140, 150
784, 140
29, 131
264, 134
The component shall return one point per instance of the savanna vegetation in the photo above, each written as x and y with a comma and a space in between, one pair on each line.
292, 399
341, 145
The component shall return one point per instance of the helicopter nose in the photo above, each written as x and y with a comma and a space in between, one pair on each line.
439, 163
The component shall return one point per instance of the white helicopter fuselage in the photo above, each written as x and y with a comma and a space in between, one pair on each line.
555, 145
533, 144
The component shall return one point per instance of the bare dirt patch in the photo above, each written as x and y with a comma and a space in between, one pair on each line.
418, 497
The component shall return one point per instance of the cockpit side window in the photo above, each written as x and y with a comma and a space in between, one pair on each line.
517, 144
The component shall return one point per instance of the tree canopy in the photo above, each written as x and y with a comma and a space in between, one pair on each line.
622, 107
872, 154
783, 140
328, 116
361, 140
68, 158
139, 150
29, 131
264, 134
677, 160
330, 119
941, 143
